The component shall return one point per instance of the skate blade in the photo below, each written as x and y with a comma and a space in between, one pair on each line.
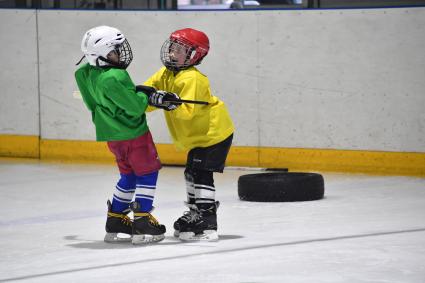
116, 238
208, 235
176, 233
146, 239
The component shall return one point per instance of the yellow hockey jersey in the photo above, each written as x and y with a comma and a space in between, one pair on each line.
193, 125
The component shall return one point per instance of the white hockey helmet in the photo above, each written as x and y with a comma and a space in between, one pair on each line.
98, 42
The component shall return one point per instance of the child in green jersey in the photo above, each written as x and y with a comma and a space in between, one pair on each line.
118, 112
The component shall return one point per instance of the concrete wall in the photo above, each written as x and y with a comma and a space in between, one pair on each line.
338, 79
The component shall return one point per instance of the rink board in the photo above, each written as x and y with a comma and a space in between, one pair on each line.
338, 90
374, 162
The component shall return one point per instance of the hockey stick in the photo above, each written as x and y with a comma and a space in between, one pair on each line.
150, 90
180, 101
77, 95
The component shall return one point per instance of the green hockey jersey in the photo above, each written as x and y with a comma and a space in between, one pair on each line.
118, 111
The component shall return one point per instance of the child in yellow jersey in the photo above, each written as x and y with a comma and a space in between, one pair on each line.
205, 130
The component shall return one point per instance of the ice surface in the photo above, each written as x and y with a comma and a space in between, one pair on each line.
366, 229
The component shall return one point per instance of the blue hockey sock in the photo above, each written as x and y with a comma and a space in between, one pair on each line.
145, 191
124, 192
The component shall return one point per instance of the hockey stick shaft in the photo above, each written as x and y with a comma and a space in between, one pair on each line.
179, 101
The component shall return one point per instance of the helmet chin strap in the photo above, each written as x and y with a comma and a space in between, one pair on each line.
111, 64
78, 63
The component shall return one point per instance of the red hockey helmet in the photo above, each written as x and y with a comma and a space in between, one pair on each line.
195, 43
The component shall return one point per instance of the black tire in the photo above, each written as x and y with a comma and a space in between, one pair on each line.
279, 187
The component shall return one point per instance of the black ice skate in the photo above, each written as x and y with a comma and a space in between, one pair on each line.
117, 223
202, 226
146, 228
187, 216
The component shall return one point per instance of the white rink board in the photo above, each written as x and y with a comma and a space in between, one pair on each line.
340, 79
348, 79
18, 75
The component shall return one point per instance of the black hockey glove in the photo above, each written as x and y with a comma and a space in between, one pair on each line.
160, 99
164, 100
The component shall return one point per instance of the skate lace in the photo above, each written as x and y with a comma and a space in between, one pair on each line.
124, 218
152, 220
188, 215
194, 216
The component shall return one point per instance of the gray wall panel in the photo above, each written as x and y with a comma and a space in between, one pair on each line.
349, 79
18, 79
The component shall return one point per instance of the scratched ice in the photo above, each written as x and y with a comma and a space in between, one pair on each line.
366, 229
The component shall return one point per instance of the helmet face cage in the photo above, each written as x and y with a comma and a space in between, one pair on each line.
125, 54
188, 55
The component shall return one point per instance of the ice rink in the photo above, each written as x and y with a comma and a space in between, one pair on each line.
366, 229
